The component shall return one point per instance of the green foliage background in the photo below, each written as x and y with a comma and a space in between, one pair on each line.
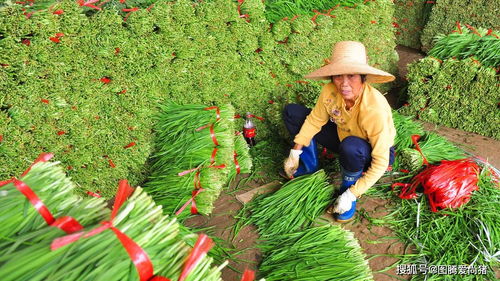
455, 93
445, 14
187, 52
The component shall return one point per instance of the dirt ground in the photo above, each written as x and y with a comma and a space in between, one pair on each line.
368, 235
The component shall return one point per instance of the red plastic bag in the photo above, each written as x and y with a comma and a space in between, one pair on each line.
448, 185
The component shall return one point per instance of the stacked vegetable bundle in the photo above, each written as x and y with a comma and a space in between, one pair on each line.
453, 222
319, 253
445, 14
102, 256
431, 145
412, 141
480, 43
276, 10
410, 18
102, 250
194, 154
46, 186
459, 93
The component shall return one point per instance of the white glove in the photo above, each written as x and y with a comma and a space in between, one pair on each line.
292, 162
344, 202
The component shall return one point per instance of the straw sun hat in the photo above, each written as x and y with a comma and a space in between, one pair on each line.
349, 57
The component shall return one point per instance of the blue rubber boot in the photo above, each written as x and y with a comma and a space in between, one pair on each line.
308, 160
348, 179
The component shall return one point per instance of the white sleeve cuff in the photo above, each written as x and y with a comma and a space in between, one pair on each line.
295, 153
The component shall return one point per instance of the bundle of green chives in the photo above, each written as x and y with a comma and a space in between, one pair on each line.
103, 257
405, 128
184, 150
465, 236
479, 43
50, 183
434, 147
320, 253
242, 156
297, 204
279, 9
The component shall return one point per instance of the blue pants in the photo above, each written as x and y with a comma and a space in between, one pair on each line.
354, 153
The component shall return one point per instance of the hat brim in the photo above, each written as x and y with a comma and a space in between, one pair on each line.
373, 75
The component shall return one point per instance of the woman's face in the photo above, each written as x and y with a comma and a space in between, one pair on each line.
349, 85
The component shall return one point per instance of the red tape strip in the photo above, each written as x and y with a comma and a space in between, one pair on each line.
415, 139
258, 117
194, 193
34, 200
197, 188
248, 275
200, 249
212, 132
217, 111
212, 135
214, 153
138, 256
407, 190
236, 164
43, 157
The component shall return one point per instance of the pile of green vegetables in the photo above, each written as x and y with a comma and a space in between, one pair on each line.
467, 41
460, 94
446, 13
295, 250
93, 103
276, 10
25, 245
319, 253
464, 236
433, 147
50, 184
410, 18
242, 158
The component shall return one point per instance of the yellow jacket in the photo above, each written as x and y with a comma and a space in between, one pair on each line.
370, 119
